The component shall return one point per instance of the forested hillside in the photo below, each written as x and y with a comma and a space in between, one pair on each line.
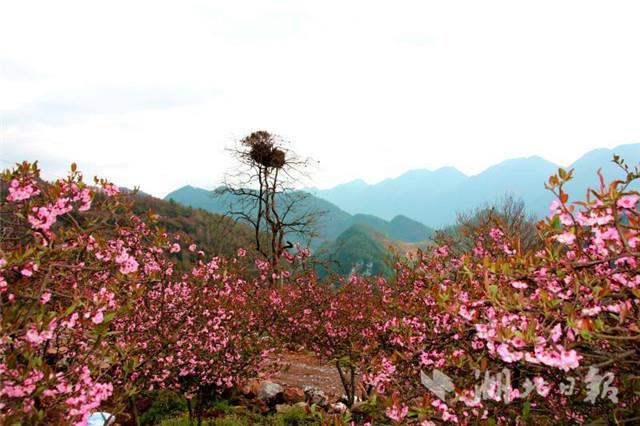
331, 220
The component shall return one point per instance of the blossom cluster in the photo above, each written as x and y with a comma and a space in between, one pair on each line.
93, 310
567, 305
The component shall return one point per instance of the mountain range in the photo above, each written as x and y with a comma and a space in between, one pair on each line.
434, 197
331, 222
359, 222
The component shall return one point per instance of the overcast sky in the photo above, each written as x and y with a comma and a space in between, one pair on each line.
150, 93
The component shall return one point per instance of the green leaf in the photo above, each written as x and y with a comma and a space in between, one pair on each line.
109, 317
69, 310
562, 173
493, 290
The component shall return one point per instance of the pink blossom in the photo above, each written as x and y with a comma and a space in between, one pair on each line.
566, 219
98, 318
465, 313
565, 238
127, 263
29, 269
241, 252
35, 338
541, 386
590, 312
45, 298
175, 248
507, 355
111, 190
71, 323
556, 332
585, 220
518, 342
627, 202
85, 197
555, 207
496, 234
42, 218
519, 284
569, 359
192, 248
397, 413
442, 251
21, 193
484, 332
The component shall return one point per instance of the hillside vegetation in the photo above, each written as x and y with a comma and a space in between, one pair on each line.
331, 220
102, 309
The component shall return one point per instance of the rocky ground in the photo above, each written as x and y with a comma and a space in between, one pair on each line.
302, 369
302, 379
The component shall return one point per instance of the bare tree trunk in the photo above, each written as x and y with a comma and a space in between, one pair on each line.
349, 387
134, 410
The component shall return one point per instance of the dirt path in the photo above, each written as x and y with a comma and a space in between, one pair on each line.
301, 369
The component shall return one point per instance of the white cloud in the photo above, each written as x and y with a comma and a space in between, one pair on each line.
150, 93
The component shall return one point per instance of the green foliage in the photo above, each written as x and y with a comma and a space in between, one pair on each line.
298, 416
359, 249
213, 233
165, 405
233, 420
181, 421
294, 416
331, 220
220, 405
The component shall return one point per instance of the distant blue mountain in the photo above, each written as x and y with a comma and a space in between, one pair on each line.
332, 221
397, 196
434, 197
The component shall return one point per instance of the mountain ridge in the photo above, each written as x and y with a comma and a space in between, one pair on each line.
435, 197
331, 222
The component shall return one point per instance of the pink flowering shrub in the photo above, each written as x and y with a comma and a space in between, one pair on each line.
513, 328
60, 287
93, 312
200, 334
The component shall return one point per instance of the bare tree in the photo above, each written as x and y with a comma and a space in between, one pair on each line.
261, 191
509, 213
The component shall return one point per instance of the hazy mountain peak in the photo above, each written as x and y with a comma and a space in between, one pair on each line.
629, 152
449, 170
356, 183
434, 197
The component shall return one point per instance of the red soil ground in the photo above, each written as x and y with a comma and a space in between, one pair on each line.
301, 369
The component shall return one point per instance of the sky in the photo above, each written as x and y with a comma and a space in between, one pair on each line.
151, 94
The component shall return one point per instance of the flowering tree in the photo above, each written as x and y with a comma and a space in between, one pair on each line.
200, 335
64, 275
544, 332
93, 310
515, 329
